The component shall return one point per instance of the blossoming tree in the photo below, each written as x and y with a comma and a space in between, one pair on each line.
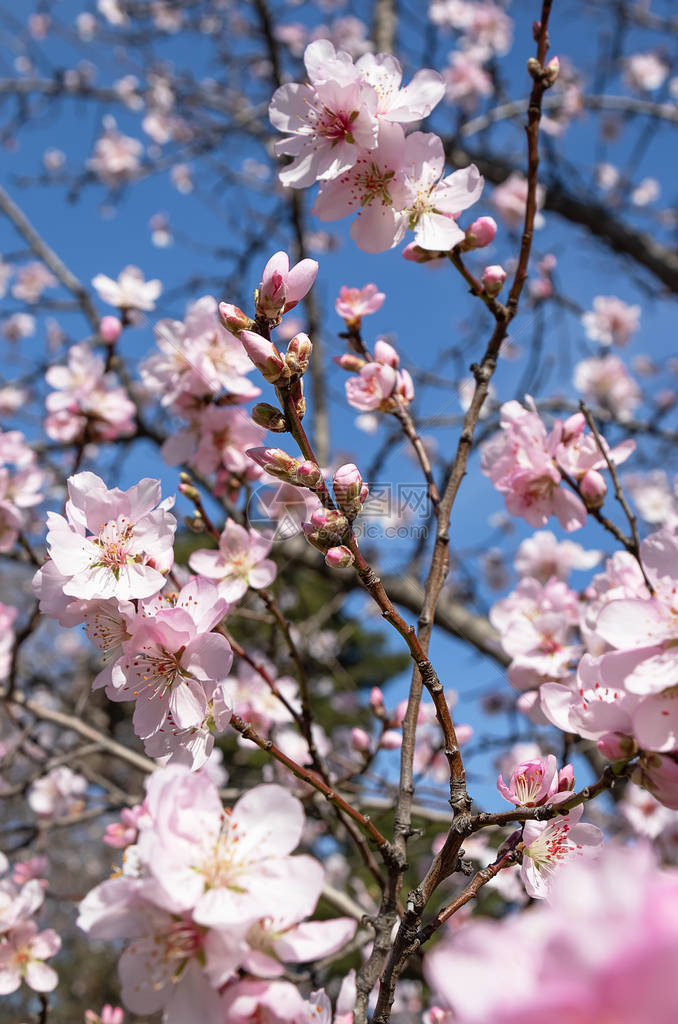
256, 689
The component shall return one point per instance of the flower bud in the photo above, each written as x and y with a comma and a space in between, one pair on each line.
391, 740
348, 484
493, 280
308, 474
349, 361
298, 354
615, 746
405, 386
318, 538
360, 741
195, 523
329, 521
386, 354
481, 233
189, 491
593, 488
276, 462
534, 67
566, 779
265, 357
233, 318
551, 71
268, 416
110, 329
415, 254
339, 557
377, 701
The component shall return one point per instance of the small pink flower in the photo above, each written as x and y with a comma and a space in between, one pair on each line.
239, 563
22, 956
548, 844
532, 783
354, 303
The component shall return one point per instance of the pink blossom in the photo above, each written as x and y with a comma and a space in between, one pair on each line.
542, 556
509, 200
612, 321
602, 948
112, 543
239, 563
124, 832
22, 955
413, 102
521, 466
31, 281
549, 843
327, 121
86, 398
493, 280
116, 156
645, 72
218, 437
535, 782
436, 204
373, 388
606, 382
354, 303
172, 662
466, 80
130, 291
588, 708
486, 28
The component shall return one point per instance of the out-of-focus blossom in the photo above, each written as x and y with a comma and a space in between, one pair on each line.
130, 291
612, 321
645, 72
57, 794
605, 381
509, 201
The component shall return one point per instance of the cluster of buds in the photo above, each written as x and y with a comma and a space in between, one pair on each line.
276, 368
547, 74
278, 463
326, 532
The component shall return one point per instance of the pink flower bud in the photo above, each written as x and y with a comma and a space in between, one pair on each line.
233, 318
360, 740
347, 484
615, 746
265, 357
391, 740
377, 700
481, 233
566, 779
405, 386
339, 557
268, 416
110, 329
281, 288
416, 254
308, 474
328, 521
347, 361
298, 354
593, 488
659, 774
386, 354
318, 538
493, 280
276, 462
552, 70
